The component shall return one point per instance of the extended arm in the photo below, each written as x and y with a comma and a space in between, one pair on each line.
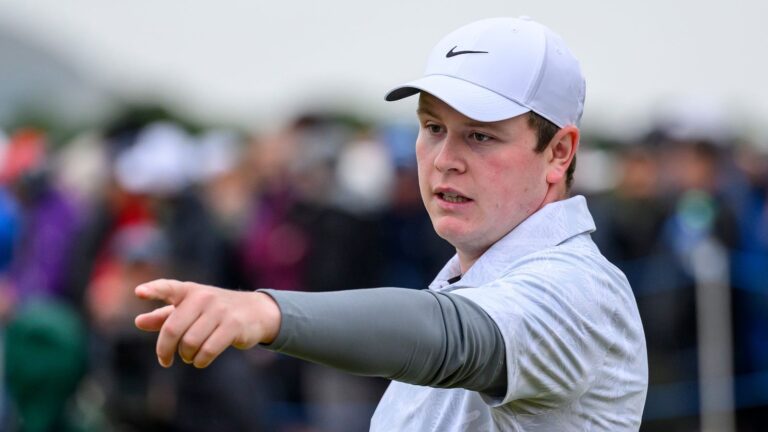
416, 336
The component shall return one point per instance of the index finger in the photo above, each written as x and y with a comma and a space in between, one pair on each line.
167, 290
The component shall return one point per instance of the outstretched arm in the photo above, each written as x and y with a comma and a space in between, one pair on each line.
415, 336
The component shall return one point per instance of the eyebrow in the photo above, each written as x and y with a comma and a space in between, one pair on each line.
484, 125
426, 111
493, 126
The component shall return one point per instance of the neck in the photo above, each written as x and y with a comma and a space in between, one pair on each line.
466, 260
555, 192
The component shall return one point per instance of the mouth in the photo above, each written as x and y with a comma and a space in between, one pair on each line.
452, 196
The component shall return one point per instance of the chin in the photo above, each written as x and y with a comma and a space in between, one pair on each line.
453, 233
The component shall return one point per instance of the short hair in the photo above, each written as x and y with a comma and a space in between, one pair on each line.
545, 130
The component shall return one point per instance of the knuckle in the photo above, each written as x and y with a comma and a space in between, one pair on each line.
240, 344
205, 296
172, 331
169, 283
208, 353
190, 342
220, 309
228, 324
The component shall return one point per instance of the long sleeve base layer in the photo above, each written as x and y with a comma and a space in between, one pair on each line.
415, 336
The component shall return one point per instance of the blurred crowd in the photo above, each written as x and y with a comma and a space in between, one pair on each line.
327, 202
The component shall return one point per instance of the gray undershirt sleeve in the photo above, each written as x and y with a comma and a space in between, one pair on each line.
416, 336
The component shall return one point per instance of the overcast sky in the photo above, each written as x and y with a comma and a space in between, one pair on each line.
250, 59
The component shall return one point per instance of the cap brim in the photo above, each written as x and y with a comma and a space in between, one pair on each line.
475, 102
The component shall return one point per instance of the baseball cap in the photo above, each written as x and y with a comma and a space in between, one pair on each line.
499, 68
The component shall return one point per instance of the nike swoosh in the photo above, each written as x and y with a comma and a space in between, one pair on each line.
453, 53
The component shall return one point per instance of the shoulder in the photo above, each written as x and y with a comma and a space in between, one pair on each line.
571, 279
561, 310
576, 267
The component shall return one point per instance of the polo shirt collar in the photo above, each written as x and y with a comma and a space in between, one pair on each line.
551, 225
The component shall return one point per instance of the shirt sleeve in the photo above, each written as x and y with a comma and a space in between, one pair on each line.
415, 336
552, 333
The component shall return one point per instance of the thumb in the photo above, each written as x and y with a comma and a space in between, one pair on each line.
167, 290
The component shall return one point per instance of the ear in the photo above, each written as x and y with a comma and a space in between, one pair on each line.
560, 153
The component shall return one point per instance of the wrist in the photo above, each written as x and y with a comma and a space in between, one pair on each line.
269, 317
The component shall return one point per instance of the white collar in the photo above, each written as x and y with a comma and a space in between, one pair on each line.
553, 224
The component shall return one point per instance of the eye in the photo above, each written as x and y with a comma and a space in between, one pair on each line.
480, 137
433, 128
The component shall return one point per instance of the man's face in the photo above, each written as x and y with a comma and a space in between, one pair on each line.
478, 180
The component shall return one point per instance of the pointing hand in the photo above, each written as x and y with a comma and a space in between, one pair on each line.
201, 321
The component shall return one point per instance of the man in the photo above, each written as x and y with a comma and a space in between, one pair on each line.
528, 327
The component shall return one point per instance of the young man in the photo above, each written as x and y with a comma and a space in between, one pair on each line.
528, 327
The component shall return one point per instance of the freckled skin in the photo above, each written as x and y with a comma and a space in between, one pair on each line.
494, 164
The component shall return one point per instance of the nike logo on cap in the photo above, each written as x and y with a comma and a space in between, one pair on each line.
453, 53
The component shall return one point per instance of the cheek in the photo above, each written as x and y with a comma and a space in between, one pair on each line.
420, 148
423, 149
517, 183
423, 164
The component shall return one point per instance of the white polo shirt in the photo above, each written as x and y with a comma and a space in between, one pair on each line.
575, 348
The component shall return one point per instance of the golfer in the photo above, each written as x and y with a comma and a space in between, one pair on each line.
528, 327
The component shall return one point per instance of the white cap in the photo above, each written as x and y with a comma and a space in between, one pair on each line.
499, 68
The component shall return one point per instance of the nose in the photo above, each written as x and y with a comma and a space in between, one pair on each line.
450, 156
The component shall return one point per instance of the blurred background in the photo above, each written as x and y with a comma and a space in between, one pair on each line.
247, 144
